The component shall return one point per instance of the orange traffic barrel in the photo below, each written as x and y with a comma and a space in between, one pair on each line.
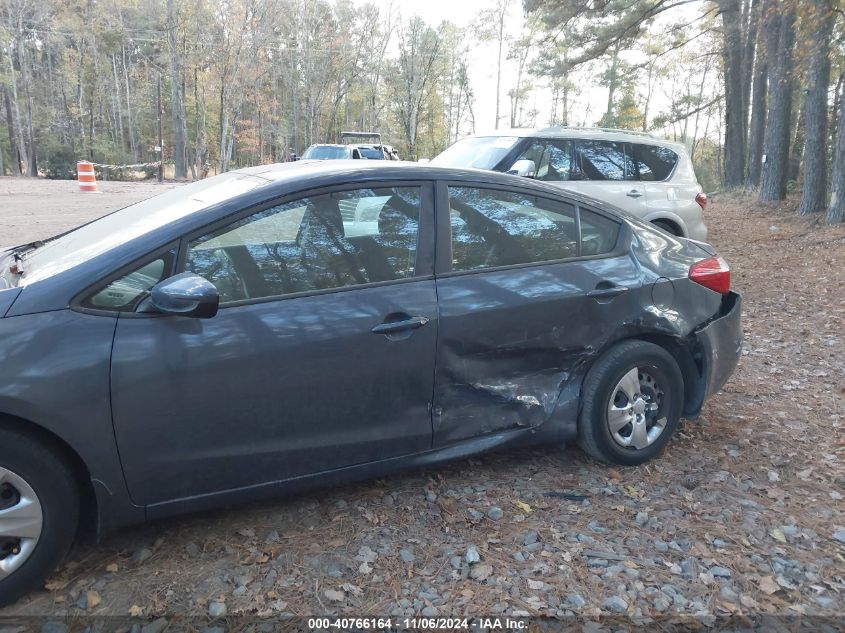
85, 175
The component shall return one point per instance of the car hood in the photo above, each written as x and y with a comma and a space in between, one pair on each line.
7, 298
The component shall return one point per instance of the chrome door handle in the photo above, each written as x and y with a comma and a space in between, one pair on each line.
634, 193
400, 326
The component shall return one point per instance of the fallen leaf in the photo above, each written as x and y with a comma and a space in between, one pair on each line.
778, 535
112, 568
334, 595
527, 509
729, 607
135, 611
768, 585
481, 572
355, 590
92, 600
55, 585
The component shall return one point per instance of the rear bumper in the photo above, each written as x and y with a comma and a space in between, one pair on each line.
720, 342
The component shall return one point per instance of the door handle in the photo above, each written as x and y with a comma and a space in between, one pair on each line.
400, 326
634, 194
607, 293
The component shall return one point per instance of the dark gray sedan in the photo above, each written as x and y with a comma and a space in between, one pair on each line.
290, 325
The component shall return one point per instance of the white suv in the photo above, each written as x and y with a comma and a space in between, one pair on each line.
646, 176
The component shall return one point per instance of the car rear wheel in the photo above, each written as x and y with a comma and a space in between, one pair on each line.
39, 513
631, 403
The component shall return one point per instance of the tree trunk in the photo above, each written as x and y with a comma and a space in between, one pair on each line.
20, 142
14, 155
503, 11
836, 210
797, 149
133, 145
734, 111
754, 10
776, 164
814, 193
758, 111
177, 102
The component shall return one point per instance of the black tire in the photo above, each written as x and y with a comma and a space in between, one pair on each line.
54, 483
667, 226
594, 435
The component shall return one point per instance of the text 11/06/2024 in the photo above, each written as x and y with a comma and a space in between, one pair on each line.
418, 624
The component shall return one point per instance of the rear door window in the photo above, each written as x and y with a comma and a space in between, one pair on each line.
654, 163
493, 228
602, 160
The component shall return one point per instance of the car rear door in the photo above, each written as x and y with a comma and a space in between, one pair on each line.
605, 170
321, 356
529, 287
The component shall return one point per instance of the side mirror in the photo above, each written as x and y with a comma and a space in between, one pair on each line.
186, 294
523, 167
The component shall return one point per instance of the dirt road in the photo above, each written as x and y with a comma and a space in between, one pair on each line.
34, 209
744, 513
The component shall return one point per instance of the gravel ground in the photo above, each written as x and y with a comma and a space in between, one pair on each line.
743, 514
34, 209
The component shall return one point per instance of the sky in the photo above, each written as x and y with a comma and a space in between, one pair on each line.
482, 63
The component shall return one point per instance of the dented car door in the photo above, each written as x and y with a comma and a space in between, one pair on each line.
529, 288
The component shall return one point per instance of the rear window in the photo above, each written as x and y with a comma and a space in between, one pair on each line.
373, 153
325, 152
653, 162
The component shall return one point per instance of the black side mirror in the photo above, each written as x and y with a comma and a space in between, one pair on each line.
186, 294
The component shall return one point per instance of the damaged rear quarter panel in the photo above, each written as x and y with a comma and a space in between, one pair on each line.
514, 344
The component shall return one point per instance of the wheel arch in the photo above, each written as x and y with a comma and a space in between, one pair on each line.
676, 227
89, 509
689, 362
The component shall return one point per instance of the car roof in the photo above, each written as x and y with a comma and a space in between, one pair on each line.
601, 133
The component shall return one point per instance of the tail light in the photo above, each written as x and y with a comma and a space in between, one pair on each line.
701, 199
713, 273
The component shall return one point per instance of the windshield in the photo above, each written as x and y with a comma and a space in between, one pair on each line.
482, 152
373, 153
99, 236
322, 152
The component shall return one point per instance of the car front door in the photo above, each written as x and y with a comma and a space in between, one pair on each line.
529, 288
320, 357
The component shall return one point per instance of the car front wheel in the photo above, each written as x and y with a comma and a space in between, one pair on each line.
39, 513
631, 403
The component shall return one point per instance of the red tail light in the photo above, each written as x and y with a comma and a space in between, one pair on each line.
701, 199
713, 273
